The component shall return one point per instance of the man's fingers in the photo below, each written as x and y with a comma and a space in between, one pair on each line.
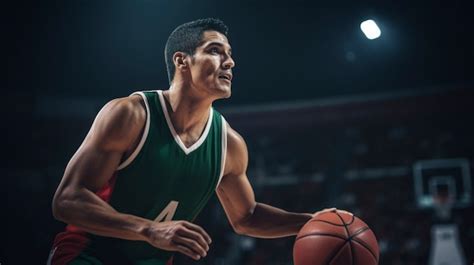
188, 233
191, 244
349, 213
199, 230
332, 210
195, 236
325, 211
186, 251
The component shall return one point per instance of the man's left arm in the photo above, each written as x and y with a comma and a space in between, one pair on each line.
236, 195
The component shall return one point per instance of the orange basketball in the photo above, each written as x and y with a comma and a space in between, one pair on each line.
335, 238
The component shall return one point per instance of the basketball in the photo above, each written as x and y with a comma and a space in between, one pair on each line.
335, 238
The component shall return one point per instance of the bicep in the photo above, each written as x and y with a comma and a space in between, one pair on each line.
91, 166
235, 192
236, 196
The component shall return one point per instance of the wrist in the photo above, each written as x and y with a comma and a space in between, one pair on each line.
143, 230
307, 217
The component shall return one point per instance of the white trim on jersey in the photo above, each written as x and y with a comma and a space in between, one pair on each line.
50, 257
224, 149
144, 136
180, 143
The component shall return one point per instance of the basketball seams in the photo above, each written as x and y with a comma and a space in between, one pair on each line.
348, 237
327, 222
336, 249
343, 223
337, 252
332, 256
363, 244
321, 234
352, 221
360, 231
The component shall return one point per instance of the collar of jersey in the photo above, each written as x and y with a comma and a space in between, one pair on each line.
186, 150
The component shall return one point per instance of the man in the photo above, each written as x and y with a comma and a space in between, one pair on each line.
151, 161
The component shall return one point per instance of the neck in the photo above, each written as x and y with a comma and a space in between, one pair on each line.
187, 110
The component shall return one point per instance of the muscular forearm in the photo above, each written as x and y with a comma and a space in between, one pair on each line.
270, 222
86, 210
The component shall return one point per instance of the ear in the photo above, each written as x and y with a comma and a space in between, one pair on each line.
179, 60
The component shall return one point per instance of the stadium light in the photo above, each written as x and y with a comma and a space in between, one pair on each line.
370, 29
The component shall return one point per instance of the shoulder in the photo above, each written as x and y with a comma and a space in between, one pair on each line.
237, 154
120, 120
120, 112
127, 107
234, 139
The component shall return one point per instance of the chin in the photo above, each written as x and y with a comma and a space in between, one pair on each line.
227, 92
223, 92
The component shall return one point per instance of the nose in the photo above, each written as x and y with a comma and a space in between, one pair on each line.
228, 63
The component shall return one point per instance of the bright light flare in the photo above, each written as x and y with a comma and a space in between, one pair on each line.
370, 29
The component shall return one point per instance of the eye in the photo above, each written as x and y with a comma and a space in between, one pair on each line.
214, 50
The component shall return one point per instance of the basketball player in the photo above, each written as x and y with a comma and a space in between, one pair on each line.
151, 161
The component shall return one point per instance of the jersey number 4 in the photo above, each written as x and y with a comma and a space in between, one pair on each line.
168, 213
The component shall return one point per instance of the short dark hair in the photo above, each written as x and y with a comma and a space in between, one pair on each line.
187, 37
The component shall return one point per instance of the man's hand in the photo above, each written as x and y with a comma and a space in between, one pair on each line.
331, 210
181, 236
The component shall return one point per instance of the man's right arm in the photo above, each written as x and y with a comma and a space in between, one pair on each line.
75, 202
114, 132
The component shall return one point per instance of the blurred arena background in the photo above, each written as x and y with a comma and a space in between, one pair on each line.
382, 127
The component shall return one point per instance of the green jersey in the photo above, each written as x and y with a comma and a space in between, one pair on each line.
162, 180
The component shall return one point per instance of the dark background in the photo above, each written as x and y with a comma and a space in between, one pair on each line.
307, 59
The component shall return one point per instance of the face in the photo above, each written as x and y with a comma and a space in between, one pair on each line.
210, 68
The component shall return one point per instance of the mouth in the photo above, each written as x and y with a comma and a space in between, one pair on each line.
226, 77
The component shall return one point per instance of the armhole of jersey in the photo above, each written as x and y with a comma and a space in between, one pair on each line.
224, 150
144, 136
51, 254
